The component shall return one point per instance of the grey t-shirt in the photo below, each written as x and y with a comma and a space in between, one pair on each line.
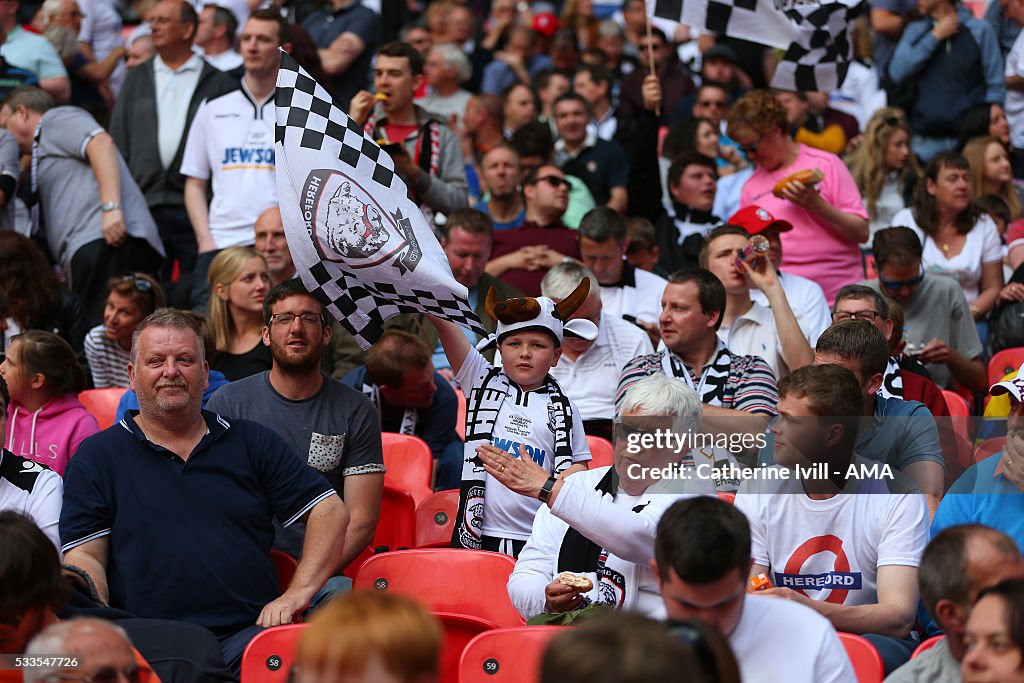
69, 192
939, 310
9, 166
336, 431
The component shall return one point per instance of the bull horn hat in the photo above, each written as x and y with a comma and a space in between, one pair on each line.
541, 313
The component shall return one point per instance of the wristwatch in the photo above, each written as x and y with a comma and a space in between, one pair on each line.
545, 490
107, 207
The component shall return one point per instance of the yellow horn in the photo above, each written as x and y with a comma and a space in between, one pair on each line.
569, 304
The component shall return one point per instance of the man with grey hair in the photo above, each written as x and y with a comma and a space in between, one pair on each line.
84, 649
957, 564
97, 223
446, 69
601, 523
589, 371
208, 489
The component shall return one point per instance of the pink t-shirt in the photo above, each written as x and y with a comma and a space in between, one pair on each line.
813, 248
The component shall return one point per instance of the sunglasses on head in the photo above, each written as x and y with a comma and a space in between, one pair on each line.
140, 283
899, 284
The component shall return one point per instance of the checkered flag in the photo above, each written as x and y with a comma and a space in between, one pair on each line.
360, 245
814, 34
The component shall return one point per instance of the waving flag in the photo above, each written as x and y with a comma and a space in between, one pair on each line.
814, 34
360, 245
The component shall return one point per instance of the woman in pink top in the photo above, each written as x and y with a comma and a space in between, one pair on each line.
829, 220
45, 420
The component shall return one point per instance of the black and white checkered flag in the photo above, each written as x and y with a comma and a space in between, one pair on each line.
360, 245
815, 34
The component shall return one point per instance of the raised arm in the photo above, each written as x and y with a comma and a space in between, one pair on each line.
456, 345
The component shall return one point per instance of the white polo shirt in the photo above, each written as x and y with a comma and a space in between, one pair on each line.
636, 294
807, 300
232, 140
591, 380
754, 334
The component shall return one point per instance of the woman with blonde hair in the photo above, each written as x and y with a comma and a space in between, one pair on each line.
991, 172
884, 168
369, 637
239, 282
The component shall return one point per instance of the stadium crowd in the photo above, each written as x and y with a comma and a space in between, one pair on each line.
825, 288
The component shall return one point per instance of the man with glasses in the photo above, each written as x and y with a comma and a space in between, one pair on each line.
940, 329
330, 426
522, 255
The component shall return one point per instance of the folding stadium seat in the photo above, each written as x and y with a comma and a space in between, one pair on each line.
1003, 363
102, 403
435, 519
410, 464
988, 447
959, 413
285, 565
470, 582
506, 655
460, 421
867, 663
269, 656
927, 645
602, 451
459, 631
394, 527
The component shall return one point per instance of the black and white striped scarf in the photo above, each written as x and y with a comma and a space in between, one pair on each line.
482, 407
713, 379
892, 382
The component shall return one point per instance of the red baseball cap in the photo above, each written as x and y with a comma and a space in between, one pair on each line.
754, 220
545, 23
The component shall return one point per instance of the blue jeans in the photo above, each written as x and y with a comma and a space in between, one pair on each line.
199, 296
895, 651
926, 147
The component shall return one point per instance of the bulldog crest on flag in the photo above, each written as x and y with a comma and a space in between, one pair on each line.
360, 245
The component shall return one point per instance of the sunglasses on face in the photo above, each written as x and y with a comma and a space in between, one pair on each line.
899, 284
554, 181
751, 148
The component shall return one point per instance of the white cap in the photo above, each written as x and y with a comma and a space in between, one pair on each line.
1013, 386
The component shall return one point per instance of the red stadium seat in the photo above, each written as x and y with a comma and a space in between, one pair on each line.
470, 582
435, 519
269, 656
410, 464
602, 451
394, 527
102, 403
459, 631
1003, 363
867, 663
989, 447
959, 413
727, 496
285, 565
927, 645
506, 655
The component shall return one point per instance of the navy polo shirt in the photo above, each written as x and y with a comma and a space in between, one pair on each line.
189, 540
601, 166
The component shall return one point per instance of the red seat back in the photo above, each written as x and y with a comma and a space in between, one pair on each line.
460, 421
269, 656
959, 413
410, 464
602, 452
506, 655
394, 527
927, 645
435, 519
1003, 363
459, 631
285, 565
102, 403
988, 447
867, 663
470, 582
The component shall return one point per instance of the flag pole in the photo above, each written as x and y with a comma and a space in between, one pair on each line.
650, 52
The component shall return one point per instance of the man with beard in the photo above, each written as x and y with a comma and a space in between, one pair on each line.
330, 426
170, 511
